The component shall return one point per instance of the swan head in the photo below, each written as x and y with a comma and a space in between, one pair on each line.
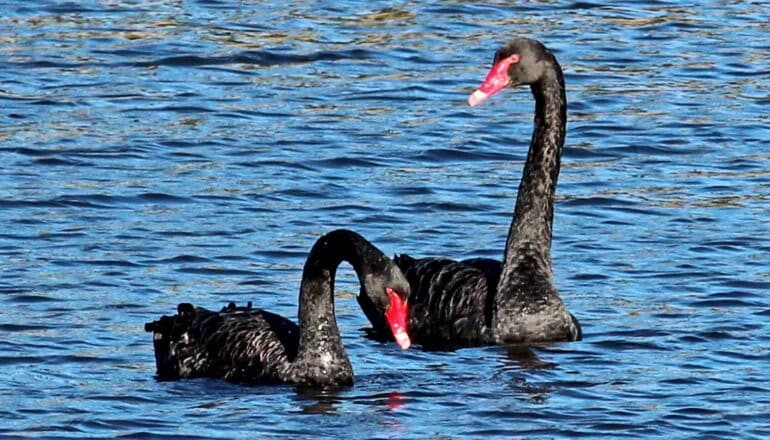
520, 61
388, 292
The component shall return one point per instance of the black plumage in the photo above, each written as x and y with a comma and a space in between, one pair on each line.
247, 345
483, 301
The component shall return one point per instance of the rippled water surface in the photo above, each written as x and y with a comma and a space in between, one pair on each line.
155, 152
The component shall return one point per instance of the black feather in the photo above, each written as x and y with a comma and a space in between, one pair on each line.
483, 301
247, 345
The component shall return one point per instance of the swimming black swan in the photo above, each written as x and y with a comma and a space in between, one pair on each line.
245, 345
482, 301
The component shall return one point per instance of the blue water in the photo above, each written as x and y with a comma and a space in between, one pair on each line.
155, 152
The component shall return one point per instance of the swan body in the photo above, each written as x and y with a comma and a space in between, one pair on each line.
483, 301
248, 345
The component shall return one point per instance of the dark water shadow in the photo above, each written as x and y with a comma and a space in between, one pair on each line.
328, 400
524, 357
320, 400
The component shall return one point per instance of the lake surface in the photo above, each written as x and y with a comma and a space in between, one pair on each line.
155, 152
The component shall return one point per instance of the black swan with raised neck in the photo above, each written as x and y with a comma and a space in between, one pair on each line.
482, 301
247, 345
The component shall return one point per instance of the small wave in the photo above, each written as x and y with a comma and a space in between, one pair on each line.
629, 345
347, 162
598, 201
31, 299
276, 163
258, 58
56, 161
441, 155
215, 271
22, 327
448, 206
725, 303
180, 259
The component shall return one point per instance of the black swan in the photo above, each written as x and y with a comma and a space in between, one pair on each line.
246, 345
483, 301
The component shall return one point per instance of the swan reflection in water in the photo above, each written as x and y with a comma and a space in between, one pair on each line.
523, 357
518, 369
327, 401
520, 362
319, 401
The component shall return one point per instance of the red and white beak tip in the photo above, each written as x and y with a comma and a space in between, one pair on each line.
403, 340
477, 97
397, 315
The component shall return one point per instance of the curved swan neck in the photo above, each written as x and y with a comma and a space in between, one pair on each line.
317, 323
533, 215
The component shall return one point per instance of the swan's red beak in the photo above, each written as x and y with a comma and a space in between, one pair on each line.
396, 315
497, 79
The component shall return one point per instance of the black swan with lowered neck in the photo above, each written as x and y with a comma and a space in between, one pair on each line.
245, 345
483, 301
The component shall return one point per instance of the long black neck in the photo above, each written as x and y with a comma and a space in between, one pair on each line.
317, 323
528, 247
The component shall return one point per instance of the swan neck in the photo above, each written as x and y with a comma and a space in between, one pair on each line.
319, 334
526, 279
533, 215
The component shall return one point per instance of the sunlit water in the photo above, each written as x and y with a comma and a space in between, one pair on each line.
155, 152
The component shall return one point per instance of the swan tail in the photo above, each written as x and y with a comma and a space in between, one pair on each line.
168, 333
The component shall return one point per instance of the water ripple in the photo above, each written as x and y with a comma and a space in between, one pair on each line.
160, 152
